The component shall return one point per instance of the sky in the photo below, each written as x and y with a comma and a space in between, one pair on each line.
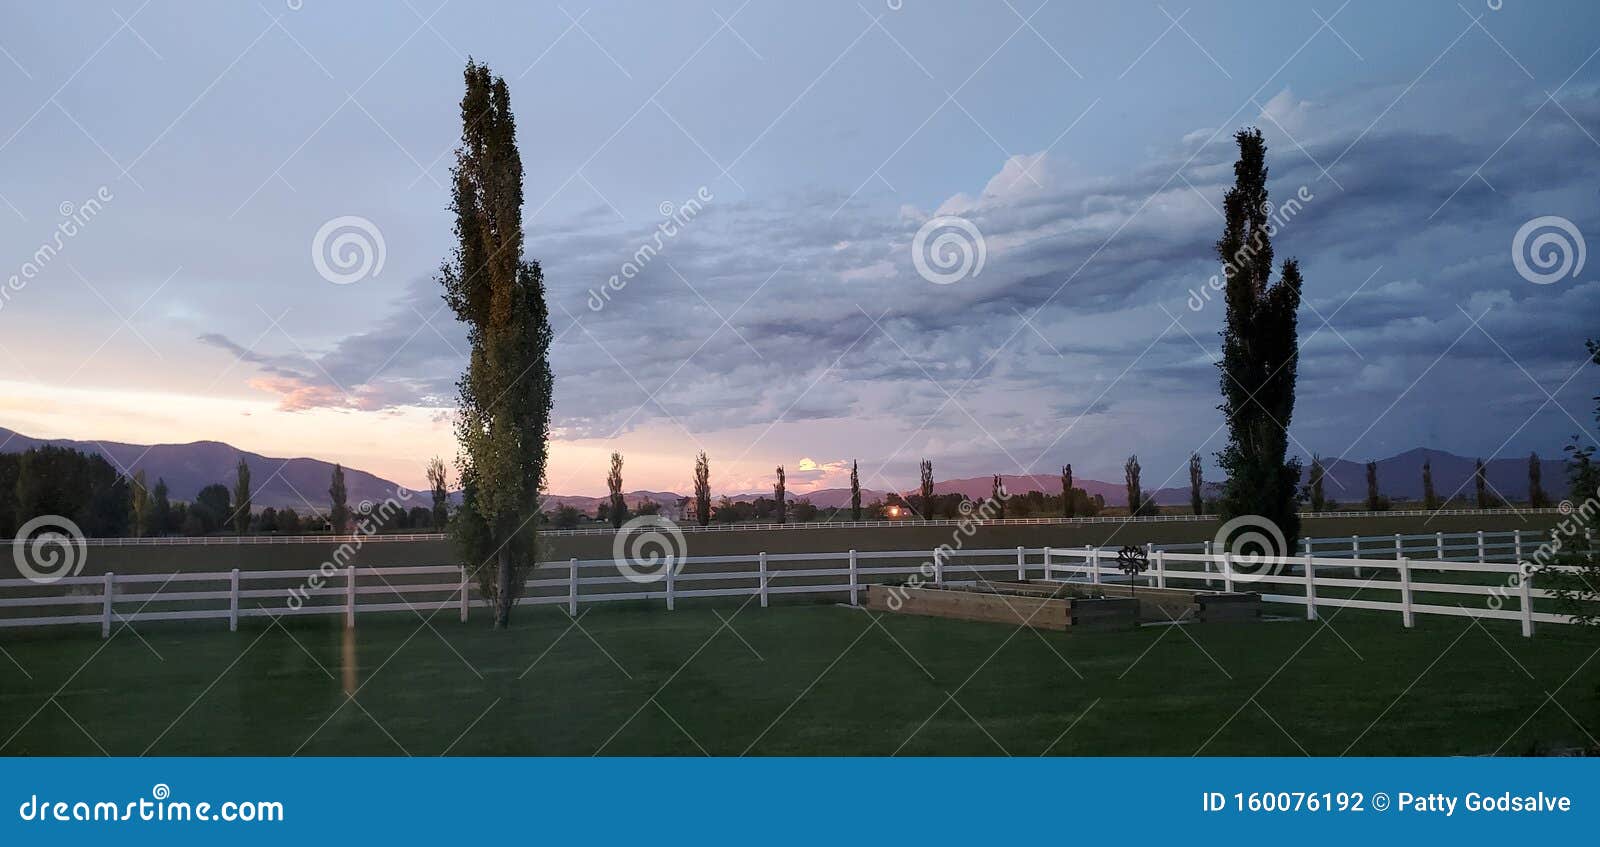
224, 222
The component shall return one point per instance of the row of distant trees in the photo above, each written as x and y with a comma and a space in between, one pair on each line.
1483, 495
105, 503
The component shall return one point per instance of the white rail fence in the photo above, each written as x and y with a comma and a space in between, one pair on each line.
1451, 574
685, 526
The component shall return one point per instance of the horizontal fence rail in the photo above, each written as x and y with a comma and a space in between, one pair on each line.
1472, 575
742, 527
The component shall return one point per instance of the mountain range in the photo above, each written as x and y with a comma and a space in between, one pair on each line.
302, 483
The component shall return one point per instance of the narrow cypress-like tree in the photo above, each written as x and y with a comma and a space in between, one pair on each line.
438, 484
160, 510
998, 495
618, 510
1374, 499
855, 492
1430, 499
339, 511
1318, 472
1260, 354
1197, 500
1130, 476
140, 497
780, 502
702, 489
1536, 497
926, 506
1068, 502
1480, 479
241, 498
505, 394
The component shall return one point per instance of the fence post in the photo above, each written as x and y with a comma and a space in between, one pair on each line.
1438, 546
1405, 592
1399, 546
463, 601
1516, 545
1311, 586
853, 588
1161, 569
1355, 552
1527, 601
1022, 565
233, 601
1210, 583
350, 597
1049, 568
1227, 571
938, 568
1094, 564
572, 587
762, 586
1481, 557
672, 587
105, 607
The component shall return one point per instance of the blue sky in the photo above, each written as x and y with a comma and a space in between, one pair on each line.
1087, 143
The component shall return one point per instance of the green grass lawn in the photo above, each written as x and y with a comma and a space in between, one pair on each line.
797, 680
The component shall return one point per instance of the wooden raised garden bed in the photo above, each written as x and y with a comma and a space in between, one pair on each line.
1033, 605
1160, 605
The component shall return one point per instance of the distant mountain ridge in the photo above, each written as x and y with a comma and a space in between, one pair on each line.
302, 483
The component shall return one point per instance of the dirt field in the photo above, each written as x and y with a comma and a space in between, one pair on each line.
910, 536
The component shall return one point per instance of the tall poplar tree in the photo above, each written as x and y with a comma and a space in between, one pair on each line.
926, 489
1260, 354
1068, 502
619, 504
1537, 498
855, 492
1197, 500
702, 489
779, 498
1430, 498
505, 394
438, 484
1130, 476
338, 499
141, 504
241, 498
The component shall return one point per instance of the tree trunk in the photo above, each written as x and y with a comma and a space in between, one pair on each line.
502, 599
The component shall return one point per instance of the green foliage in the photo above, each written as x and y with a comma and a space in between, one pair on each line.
1068, 502
1197, 500
924, 504
438, 485
855, 492
338, 499
210, 510
1260, 354
139, 504
1376, 502
1430, 498
702, 489
505, 395
617, 509
241, 498
778, 497
160, 518
52, 480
